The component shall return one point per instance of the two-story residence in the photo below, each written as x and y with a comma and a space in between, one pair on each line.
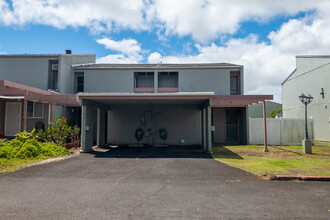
135, 104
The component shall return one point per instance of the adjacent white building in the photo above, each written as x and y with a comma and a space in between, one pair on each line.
311, 76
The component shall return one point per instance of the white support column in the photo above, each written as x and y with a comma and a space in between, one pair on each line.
204, 138
208, 129
101, 123
98, 126
155, 81
86, 128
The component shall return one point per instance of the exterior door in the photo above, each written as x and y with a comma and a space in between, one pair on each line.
13, 118
232, 127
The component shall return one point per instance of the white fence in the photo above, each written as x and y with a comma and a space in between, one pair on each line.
280, 131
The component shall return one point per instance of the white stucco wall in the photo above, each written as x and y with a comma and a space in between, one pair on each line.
311, 76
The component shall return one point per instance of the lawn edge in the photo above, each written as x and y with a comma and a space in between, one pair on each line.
263, 177
46, 161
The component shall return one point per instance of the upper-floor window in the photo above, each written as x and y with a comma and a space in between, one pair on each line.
143, 81
53, 75
34, 109
79, 82
235, 83
168, 80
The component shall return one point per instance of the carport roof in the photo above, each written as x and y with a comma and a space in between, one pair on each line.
177, 98
90, 66
12, 90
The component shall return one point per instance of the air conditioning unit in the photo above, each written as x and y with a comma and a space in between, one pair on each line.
54, 66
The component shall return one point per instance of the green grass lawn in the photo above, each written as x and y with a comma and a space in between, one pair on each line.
322, 143
285, 160
8, 165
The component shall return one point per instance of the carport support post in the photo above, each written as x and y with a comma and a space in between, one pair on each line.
86, 128
100, 140
204, 124
24, 114
265, 126
208, 129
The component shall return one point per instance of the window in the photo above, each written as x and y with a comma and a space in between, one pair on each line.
53, 75
235, 83
144, 80
168, 80
34, 110
54, 80
79, 85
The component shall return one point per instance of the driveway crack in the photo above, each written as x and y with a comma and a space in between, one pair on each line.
145, 200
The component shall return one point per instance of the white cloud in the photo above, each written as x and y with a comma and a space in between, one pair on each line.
206, 19
202, 19
125, 46
154, 57
99, 16
129, 51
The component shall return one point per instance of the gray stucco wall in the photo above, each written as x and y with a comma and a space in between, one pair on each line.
189, 80
208, 80
256, 111
31, 71
309, 82
66, 75
109, 80
181, 123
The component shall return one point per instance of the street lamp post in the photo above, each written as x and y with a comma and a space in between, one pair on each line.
306, 143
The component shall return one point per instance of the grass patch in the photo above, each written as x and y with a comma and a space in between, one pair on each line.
285, 160
8, 165
322, 143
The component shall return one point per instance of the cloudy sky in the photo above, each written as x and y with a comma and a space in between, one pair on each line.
262, 35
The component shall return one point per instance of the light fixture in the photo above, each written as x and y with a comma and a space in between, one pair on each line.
307, 145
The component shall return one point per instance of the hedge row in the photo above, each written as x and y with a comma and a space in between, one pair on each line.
30, 148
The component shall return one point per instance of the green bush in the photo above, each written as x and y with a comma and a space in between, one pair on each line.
30, 148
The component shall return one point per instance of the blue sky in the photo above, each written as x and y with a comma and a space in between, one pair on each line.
264, 36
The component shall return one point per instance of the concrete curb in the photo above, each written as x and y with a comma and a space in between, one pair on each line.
52, 160
301, 178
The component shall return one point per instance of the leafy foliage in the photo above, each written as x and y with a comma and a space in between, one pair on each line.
274, 112
30, 148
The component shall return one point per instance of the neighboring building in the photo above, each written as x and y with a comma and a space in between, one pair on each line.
37, 77
311, 76
256, 111
129, 104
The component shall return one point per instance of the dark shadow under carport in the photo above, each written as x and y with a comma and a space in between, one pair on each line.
151, 152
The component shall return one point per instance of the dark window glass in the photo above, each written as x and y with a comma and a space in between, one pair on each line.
30, 109
79, 82
143, 80
168, 80
54, 80
37, 110
235, 83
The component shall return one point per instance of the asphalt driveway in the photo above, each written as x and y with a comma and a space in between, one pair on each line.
154, 183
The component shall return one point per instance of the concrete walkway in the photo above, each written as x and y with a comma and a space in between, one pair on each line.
154, 183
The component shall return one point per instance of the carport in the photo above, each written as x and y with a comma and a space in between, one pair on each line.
111, 118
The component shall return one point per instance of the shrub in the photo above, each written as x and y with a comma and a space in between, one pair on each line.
53, 150
29, 149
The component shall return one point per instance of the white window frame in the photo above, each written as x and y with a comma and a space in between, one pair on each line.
33, 110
